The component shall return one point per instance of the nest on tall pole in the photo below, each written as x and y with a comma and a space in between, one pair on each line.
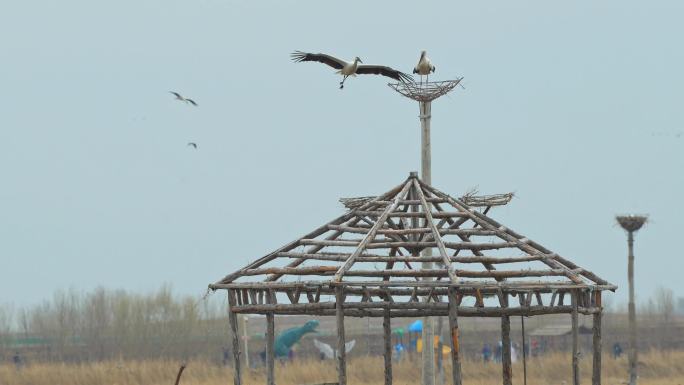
425, 92
631, 222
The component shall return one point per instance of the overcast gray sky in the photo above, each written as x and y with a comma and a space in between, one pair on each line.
575, 106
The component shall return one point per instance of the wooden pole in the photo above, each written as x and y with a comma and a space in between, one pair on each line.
632, 312
245, 338
270, 353
455, 344
426, 175
575, 339
596, 369
387, 329
232, 319
506, 344
341, 354
524, 353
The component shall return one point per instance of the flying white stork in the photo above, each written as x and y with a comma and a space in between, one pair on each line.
352, 68
424, 66
328, 352
183, 99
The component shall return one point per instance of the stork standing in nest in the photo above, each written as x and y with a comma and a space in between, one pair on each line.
424, 67
351, 68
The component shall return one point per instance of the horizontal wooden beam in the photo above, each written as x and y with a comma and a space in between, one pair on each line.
388, 245
386, 230
331, 270
341, 257
461, 285
419, 309
409, 214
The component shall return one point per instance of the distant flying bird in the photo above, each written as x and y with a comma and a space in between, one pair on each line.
424, 66
182, 99
328, 352
352, 68
193, 144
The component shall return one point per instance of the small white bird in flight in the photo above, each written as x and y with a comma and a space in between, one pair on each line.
424, 66
193, 144
328, 352
183, 99
352, 68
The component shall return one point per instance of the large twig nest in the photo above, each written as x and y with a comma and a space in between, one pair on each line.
631, 222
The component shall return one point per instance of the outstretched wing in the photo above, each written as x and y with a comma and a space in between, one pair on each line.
349, 346
384, 71
191, 102
299, 56
325, 349
178, 96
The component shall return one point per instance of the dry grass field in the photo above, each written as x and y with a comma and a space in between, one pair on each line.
656, 368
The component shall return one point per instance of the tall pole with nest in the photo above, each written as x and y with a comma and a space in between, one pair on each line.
424, 94
631, 224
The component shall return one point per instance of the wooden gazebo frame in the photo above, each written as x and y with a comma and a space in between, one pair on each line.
342, 258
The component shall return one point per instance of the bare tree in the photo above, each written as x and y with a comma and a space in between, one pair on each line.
664, 303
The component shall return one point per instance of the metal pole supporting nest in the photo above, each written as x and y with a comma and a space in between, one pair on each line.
631, 224
424, 94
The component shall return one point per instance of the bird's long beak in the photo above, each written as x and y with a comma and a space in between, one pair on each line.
360, 61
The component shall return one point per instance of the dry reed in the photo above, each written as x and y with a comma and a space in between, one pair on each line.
656, 368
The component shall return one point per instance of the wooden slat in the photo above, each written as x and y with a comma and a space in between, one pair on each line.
522, 243
435, 233
371, 234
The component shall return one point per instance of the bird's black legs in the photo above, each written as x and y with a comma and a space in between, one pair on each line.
342, 82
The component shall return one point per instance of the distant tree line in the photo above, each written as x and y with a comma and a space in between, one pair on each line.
116, 324
105, 324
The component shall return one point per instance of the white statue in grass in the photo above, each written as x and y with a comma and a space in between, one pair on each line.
328, 353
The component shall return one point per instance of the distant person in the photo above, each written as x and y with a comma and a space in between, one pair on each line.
617, 350
535, 347
226, 354
498, 352
486, 353
514, 352
17, 360
398, 351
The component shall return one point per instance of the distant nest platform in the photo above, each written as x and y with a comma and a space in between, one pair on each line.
426, 91
631, 222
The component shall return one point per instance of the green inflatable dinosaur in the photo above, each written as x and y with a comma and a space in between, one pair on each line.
289, 337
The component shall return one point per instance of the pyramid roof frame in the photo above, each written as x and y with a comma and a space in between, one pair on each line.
373, 249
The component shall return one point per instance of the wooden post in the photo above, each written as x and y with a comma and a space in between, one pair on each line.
575, 339
632, 356
232, 319
245, 339
506, 345
596, 369
524, 353
455, 345
426, 176
341, 354
270, 353
387, 329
